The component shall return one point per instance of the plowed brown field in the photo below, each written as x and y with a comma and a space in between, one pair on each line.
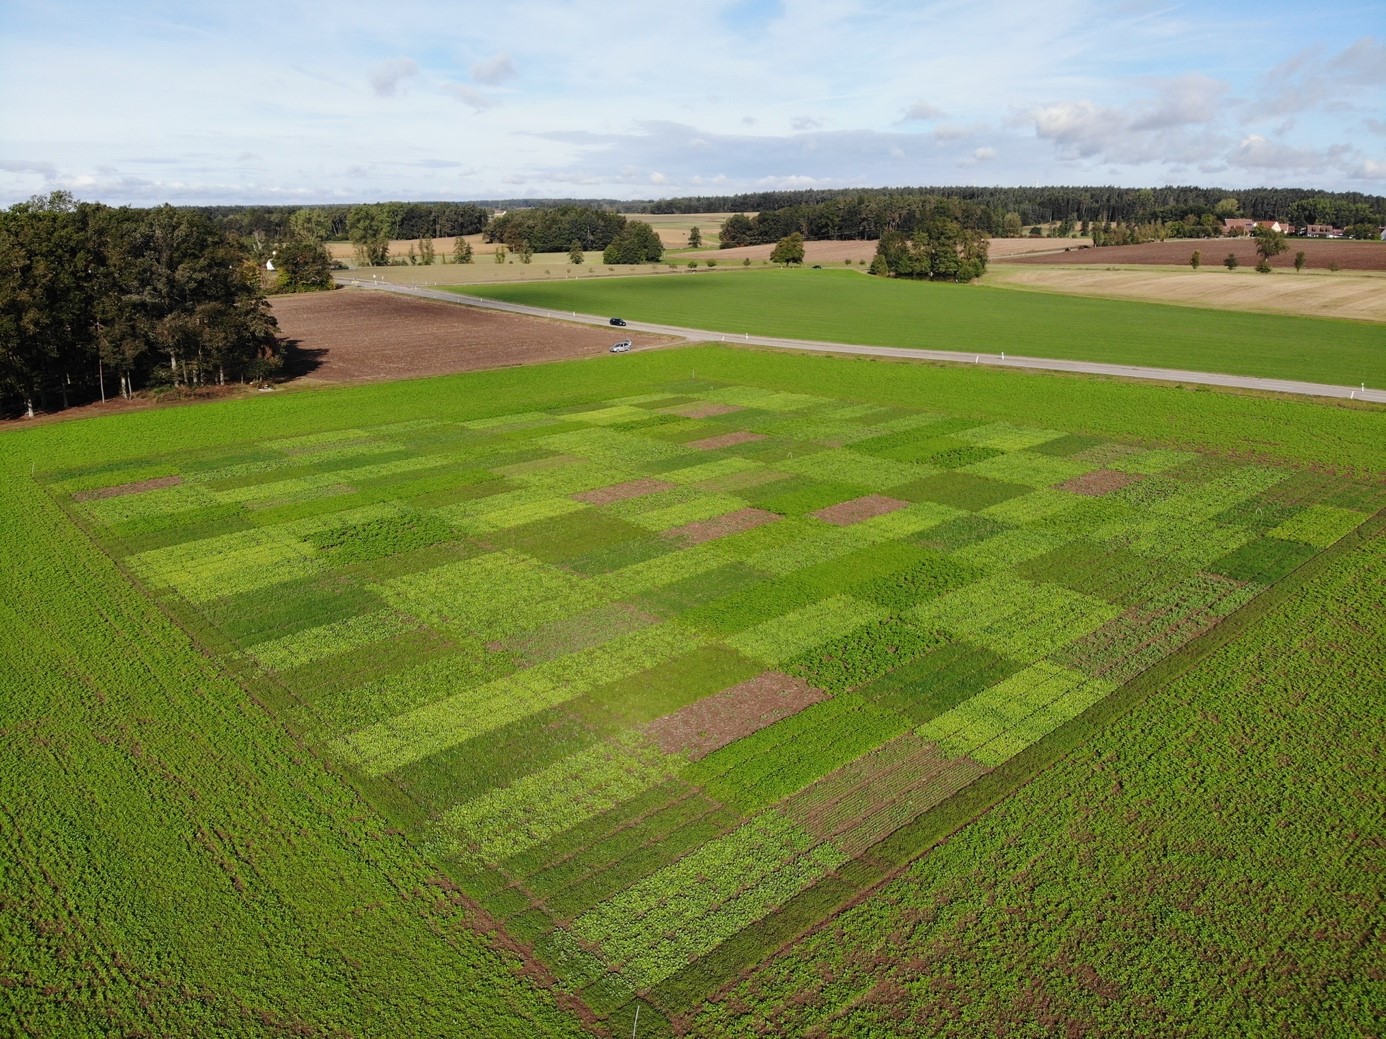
355, 335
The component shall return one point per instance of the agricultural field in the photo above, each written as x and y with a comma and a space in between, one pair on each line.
663, 670
843, 306
1357, 295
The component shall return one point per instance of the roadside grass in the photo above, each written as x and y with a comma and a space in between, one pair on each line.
843, 306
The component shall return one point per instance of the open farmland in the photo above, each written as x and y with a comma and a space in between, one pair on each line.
1318, 253
1359, 295
845, 307
361, 336
664, 669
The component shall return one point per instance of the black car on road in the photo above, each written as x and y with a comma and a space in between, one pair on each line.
619, 321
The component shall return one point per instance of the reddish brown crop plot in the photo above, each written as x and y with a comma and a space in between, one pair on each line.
701, 409
137, 487
740, 436
845, 513
623, 491
360, 335
1099, 482
1318, 254
722, 526
715, 721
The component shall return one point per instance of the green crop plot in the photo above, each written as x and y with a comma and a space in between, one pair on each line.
657, 691
848, 307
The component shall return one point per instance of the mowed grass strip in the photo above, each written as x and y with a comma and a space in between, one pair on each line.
848, 307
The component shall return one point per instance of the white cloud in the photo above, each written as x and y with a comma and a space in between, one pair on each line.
494, 71
922, 111
983, 154
387, 76
469, 96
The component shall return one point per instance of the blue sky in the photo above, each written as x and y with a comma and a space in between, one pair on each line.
150, 101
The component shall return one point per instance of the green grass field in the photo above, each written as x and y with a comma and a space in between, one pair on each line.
585, 635
845, 306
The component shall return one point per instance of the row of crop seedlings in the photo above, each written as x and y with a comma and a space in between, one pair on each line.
988, 608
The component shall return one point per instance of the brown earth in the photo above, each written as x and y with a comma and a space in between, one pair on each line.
121, 489
352, 335
722, 526
845, 513
1318, 253
720, 719
740, 436
1099, 482
623, 491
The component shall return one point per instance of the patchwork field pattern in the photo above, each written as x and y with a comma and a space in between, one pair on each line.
651, 675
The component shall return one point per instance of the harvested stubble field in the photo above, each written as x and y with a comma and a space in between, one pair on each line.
664, 677
1318, 253
360, 335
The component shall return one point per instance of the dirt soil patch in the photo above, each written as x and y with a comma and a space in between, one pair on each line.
740, 436
1099, 482
715, 721
362, 335
1318, 253
623, 491
722, 526
845, 513
121, 489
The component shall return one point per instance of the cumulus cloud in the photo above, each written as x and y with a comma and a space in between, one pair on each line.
983, 154
1313, 78
1176, 123
387, 76
494, 70
469, 96
922, 111
1370, 169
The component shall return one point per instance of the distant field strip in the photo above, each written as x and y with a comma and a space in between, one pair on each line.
661, 678
848, 307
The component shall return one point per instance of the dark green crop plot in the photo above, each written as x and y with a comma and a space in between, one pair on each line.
848, 307
349, 678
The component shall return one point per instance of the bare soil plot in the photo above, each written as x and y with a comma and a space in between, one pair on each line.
740, 436
363, 336
722, 526
1318, 253
715, 721
623, 491
1099, 482
138, 487
845, 513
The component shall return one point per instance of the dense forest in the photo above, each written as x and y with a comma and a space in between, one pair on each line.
98, 302
1046, 205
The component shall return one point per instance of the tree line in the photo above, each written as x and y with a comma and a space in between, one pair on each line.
97, 302
1049, 205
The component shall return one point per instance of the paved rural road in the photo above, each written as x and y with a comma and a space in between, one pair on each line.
1127, 371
